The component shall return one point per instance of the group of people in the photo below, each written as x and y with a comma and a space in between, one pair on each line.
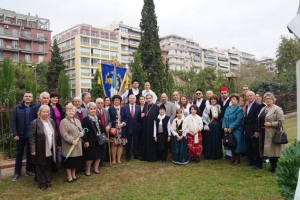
148, 130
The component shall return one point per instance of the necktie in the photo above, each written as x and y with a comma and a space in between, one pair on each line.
101, 112
132, 112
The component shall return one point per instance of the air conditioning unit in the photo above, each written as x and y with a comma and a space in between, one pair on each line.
6, 26
22, 28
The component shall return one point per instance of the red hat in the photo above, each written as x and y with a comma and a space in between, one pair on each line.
223, 89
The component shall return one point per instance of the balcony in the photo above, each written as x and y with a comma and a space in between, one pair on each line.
85, 43
104, 46
234, 62
209, 56
95, 54
10, 48
210, 63
176, 55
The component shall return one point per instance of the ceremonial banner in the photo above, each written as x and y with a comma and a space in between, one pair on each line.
110, 84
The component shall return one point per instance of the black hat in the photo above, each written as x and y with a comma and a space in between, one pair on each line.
162, 106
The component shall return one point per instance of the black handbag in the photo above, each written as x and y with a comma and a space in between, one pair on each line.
229, 140
280, 137
101, 139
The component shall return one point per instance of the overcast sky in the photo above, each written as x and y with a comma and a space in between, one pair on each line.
252, 26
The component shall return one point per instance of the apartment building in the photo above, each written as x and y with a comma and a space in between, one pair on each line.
128, 41
183, 53
24, 37
269, 63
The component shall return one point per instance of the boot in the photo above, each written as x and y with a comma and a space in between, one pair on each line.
237, 158
233, 158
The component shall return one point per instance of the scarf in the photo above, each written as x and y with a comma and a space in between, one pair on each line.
48, 148
161, 117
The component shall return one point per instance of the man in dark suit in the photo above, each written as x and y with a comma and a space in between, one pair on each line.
200, 102
224, 103
251, 131
106, 123
133, 127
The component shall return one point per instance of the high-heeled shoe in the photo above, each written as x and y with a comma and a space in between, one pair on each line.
96, 172
87, 174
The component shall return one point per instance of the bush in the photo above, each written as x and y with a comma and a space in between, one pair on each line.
288, 169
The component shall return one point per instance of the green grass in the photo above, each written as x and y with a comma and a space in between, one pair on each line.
210, 179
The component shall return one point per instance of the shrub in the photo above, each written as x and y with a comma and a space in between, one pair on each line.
288, 169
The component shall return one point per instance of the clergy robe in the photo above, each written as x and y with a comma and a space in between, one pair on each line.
149, 146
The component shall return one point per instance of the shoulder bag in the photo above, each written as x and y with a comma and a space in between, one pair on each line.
280, 137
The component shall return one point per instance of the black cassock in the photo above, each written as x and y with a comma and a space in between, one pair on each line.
149, 146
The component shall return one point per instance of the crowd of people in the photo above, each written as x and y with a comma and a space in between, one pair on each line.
151, 131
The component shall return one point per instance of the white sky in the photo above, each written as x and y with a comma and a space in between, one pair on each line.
252, 26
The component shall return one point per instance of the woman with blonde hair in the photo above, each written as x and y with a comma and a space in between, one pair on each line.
147, 90
70, 130
43, 140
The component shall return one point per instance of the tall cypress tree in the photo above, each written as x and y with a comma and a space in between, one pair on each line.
231, 85
137, 71
63, 87
150, 49
7, 84
55, 66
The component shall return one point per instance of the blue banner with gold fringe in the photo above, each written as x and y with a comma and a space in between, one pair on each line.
112, 84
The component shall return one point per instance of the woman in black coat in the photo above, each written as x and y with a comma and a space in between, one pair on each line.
93, 150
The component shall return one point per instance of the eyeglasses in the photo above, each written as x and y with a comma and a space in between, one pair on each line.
198, 93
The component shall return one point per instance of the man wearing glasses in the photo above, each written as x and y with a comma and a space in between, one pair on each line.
200, 102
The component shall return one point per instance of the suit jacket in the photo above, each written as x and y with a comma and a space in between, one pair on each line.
170, 110
223, 108
134, 123
34, 110
37, 140
251, 119
84, 113
106, 117
201, 107
113, 117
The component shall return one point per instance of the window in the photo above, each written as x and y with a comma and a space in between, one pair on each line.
104, 54
104, 44
72, 83
125, 30
113, 55
32, 24
26, 34
86, 82
95, 33
113, 45
7, 20
14, 32
85, 51
15, 57
85, 61
94, 62
96, 52
39, 35
95, 42
27, 58
14, 44
41, 59
104, 34
41, 47
1, 30
73, 93
123, 48
72, 52
113, 36
72, 41
27, 46
19, 22
1, 42
85, 72
85, 41
71, 73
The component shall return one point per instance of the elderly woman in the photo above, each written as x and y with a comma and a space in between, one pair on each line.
268, 119
147, 90
43, 142
93, 151
118, 120
212, 142
70, 129
232, 123
107, 103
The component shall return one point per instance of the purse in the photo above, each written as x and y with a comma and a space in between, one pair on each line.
229, 140
280, 137
101, 139
113, 131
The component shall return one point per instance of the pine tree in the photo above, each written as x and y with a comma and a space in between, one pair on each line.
97, 89
55, 66
137, 71
149, 48
63, 87
231, 85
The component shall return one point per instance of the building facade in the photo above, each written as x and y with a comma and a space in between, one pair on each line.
269, 63
24, 37
183, 53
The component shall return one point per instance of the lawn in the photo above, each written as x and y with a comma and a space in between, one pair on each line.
210, 179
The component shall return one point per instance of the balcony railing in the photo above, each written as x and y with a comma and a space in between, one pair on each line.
84, 53
85, 63
85, 43
95, 54
104, 46
104, 56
